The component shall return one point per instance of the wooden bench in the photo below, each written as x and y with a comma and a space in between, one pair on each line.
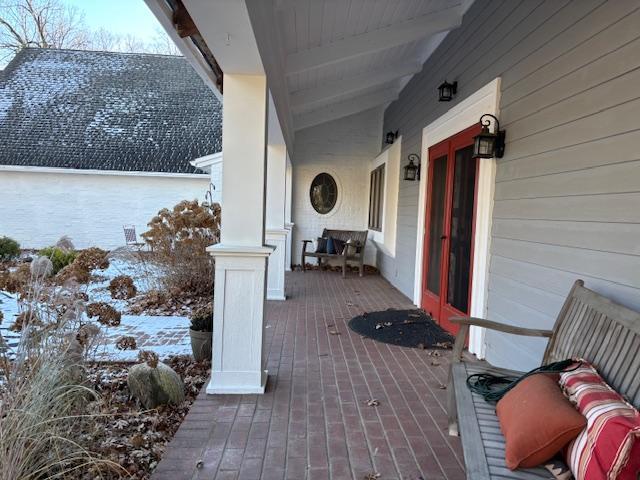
358, 241
588, 326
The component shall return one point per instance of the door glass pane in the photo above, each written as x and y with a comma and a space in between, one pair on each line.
461, 235
436, 223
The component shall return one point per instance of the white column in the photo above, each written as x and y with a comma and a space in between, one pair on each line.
288, 224
276, 234
241, 256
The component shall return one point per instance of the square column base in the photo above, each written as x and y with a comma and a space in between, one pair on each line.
289, 228
276, 238
238, 364
237, 383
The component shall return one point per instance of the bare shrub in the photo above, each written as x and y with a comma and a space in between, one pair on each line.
16, 281
122, 287
126, 343
179, 238
149, 357
41, 267
45, 409
107, 315
80, 269
65, 243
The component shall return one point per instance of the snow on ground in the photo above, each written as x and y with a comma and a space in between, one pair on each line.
165, 335
9, 307
144, 275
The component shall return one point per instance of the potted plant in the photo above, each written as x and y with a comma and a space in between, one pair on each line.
200, 333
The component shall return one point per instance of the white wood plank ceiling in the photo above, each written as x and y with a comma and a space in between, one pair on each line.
346, 56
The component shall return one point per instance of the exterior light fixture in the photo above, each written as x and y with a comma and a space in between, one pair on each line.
411, 170
391, 137
489, 144
447, 91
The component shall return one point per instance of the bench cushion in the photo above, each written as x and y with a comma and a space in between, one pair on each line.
482, 440
610, 446
537, 421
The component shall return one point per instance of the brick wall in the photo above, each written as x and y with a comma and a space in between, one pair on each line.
38, 208
344, 149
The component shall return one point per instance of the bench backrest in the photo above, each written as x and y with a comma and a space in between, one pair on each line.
603, 332
345, 235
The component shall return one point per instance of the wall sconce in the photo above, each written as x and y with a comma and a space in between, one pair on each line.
489, 144
391, 137
412, 171
447, 91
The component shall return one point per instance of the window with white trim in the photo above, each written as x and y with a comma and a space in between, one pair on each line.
376, 198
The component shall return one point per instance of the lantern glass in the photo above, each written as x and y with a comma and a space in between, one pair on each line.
411, 171
484, 144
447, 91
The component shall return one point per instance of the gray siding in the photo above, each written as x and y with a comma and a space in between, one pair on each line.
567, 197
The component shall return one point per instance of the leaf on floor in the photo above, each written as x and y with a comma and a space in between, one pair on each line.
442, 386
371, 476
378, 326
334, 332
373, 402
435, 363
421, 346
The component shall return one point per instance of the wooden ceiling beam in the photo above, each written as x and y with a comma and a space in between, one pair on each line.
345, 108
182, 21
375, 40
306, 99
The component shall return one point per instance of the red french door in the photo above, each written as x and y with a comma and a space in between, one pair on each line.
449, 228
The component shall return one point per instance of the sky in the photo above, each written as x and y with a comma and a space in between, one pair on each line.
123, 18
118, 16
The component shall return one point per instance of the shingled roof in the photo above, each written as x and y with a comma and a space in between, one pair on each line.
106, 111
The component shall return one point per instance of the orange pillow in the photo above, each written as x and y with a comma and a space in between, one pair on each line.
537, 421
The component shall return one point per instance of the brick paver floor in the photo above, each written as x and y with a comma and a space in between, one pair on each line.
314, 422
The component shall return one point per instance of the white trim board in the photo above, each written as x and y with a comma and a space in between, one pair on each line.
461, 116
77, 171
205, 163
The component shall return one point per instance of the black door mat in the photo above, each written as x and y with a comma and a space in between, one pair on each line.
406, 328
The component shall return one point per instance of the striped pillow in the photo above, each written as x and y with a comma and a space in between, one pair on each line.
609, 448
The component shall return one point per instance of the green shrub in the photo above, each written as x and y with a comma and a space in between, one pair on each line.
59, 257
9, 248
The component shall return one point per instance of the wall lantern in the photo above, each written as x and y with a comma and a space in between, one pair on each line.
391, 137
489, 144
412, 171
447, 91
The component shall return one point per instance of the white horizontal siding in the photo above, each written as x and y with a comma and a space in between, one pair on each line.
567, 197
91, 209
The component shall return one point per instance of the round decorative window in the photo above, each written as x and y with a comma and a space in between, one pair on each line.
323, 193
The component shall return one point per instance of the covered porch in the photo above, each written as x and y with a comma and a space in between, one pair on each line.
352, 96
313, 420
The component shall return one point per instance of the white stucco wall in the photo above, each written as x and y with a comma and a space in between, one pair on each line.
343, 148
38, 208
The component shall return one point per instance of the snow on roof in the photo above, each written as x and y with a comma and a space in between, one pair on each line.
106, 111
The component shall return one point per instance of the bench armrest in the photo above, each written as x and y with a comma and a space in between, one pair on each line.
307, 241
466, 322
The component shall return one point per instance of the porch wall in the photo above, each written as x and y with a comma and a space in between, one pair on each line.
567, 197
344, 149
